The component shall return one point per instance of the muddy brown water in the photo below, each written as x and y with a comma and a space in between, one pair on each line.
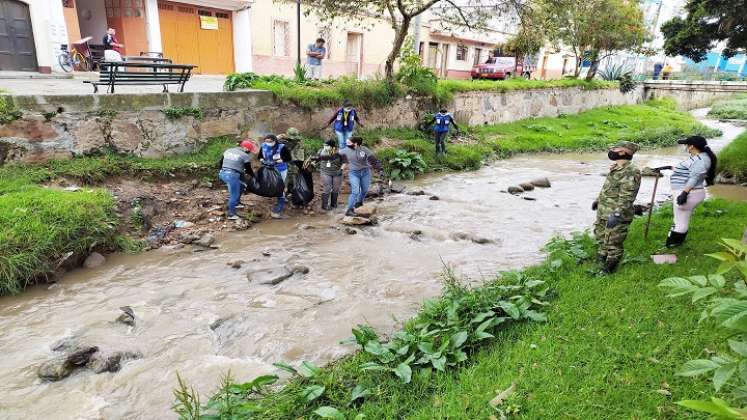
379, 276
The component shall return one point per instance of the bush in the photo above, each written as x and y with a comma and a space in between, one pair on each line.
733, 158
406, 165
732, 109
417, 78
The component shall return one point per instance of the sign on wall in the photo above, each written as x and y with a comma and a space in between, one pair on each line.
209, 22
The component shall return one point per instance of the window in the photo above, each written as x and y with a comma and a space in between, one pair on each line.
478, 56
461, 52
68, 3
220, 15
280, 47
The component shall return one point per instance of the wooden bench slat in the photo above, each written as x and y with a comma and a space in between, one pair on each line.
139, 73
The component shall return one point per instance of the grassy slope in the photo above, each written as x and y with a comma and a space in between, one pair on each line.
610, 344
733, 158
730, 109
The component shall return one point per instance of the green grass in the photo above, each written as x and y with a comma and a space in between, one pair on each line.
609, 350
730, 109
733, 158
377, 93
651, 124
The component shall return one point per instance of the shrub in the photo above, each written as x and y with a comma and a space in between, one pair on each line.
406, 165
733, 158
416, 77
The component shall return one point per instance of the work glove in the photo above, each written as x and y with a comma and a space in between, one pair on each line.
682, 198
663, 168
613, 221
594, 205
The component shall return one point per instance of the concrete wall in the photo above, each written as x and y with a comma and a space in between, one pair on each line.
692, 94
58, 126
92, 19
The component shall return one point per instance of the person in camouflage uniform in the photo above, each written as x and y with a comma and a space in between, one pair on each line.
614, 206
294, 142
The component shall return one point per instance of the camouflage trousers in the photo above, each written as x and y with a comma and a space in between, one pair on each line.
610, 240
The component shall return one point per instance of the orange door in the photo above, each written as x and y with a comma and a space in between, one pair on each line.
185, 41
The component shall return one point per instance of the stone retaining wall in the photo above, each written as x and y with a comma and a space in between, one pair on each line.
62, 126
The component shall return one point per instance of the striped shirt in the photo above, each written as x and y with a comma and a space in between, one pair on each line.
690, 173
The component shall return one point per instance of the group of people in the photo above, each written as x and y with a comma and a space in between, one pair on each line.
614, 206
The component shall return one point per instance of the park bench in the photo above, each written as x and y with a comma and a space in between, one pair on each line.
141, 73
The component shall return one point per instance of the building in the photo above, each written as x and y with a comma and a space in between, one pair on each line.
29, 31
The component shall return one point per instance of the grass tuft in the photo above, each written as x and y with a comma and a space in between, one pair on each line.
733, 158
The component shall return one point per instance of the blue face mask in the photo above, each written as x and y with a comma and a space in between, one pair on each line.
270, 143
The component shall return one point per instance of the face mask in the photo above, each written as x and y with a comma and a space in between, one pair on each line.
348, 109
270, 143
612, 155
351, 145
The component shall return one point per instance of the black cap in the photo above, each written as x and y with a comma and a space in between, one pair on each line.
271, 137
698, 141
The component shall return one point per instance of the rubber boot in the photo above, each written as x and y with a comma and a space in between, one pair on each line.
333, 201
325, 201
610, 266
350, 213
675, 239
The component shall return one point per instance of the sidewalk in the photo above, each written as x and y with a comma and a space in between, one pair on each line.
24, 85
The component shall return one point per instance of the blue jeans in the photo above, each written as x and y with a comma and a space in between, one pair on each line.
342, 137
280, 206
233, 181
360, 180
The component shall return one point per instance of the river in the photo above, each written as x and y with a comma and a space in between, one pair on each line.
379, 276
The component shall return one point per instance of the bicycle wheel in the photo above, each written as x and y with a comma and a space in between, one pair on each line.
65, 64
78, 61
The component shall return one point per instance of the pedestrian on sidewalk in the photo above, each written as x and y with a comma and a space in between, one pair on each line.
235, 164
614, 206
314, 55
688, 181
442, 122
345, 119
274, 154
360, 160
330, 173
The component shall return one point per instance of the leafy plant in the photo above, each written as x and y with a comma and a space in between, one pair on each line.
419, 79
176, 112
8, 112
726, 304
621, 73
299, 73
406, 165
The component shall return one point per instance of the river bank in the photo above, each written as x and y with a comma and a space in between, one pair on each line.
183, 190
379, 276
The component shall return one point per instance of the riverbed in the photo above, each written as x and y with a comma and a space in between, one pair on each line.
200, 317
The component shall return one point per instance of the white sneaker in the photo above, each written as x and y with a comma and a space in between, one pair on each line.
240, 206
234, 217
277, 215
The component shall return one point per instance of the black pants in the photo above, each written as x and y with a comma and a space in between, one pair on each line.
441, 143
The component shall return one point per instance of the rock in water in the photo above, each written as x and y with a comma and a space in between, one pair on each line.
434, 198
356, 221
526, 186
541, 183
206, 240
127, 317
235, 264
94, 260
481, 241
271, 276
61, 367
350, 231
300, 269
112, 362
416, 192
515, 189
366, 210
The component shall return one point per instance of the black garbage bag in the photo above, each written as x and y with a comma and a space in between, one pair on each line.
302, 191
267, 183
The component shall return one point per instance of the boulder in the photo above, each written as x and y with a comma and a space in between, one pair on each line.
94, 260
366, 210
481, 241
356, 221
526, 186
434, 198
235, 264
725, 177
350, 231
541, 183
206, 240
416, 192
514, 189
61, 367
127, 316
529, 198
271, 276
188, 237
112, 362
300, 269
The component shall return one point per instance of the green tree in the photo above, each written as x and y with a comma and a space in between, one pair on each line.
472, 14
594, 29
707, 23
527, 41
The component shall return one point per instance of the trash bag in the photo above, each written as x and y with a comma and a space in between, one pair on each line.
267, 183
302, 191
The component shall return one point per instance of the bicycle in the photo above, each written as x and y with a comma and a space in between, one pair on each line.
75, 60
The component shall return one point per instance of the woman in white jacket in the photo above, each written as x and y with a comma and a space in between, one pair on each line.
689, 179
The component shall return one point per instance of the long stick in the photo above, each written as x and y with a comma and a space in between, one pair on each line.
651, 206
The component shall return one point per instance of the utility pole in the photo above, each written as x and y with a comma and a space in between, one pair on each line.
298, 32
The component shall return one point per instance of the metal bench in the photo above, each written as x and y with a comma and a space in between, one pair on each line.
139, 73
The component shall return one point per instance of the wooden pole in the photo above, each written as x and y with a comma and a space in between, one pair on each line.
651, 206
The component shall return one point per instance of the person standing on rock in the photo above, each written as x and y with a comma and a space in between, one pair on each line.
442, 122
614, 206
688, 181
275, 155
234, 165
360, 160
345, 119
330, 173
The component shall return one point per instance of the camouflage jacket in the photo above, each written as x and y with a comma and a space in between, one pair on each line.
619, 191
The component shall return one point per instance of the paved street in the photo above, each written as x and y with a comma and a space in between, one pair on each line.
75, 86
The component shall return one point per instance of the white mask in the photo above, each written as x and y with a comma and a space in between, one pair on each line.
270, 143
348, 109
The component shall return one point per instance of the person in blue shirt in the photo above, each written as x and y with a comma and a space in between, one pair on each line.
314, 55
345, 119
274, 154
442, 122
